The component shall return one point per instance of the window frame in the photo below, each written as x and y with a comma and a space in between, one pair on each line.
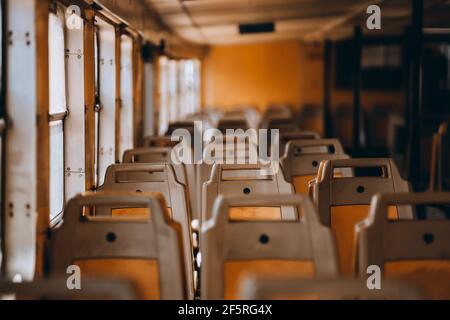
97, 104
107, 109
57, 10
3, 125
129, 86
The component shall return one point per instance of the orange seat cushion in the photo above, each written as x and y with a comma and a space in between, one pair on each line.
144, 274
301, 184
236, 271
255, 214
343, 222
141, 213
432, 277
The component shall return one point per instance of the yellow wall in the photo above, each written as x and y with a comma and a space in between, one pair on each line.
262, 74
289, 72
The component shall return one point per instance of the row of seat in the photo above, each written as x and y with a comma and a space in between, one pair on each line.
227, 231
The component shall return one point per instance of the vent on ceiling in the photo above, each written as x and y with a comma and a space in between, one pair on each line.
257, 28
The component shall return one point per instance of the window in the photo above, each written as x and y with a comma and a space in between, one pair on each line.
381, 66
126, 95
197, 86
106, 88
75, 122
163, 95
185, 85
173, 90
190, 84
58, 110
149, 119
97, 101
179, 90
2, 119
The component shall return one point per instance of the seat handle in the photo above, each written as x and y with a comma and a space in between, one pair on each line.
129, 154
381, 202
223, 204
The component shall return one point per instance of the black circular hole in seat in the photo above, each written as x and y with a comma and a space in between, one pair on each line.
428, 238
111, 237
247, 191
264, 239
360, 189
315, 163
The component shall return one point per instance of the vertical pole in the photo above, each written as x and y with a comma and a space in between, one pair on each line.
328, 130
413, 167
406, 56
43, 132
357, 79
138, 91
89, 96
118, 99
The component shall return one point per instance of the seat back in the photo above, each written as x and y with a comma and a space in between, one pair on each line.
203, 171
343, 201
282, 124
148, 155
245, 180
188, 125
147, 251
152, 178
156, 155
311, 118
232, 124
303, 157
278, 111
159, 142
56, 289
343, 124
285, 137
417, 251
288, 288
439, 171
232, 250
185, 173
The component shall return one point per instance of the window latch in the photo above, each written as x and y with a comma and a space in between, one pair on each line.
98, 107
58, 116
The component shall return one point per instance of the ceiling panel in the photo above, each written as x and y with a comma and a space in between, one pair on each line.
217, 21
